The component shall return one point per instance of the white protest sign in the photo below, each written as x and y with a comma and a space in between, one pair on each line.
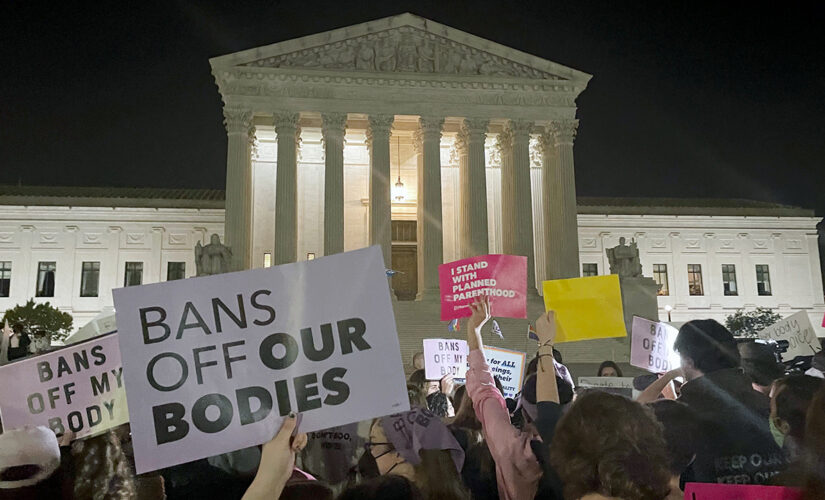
651, 346
798, 331
213, 364
78, 389
615, 385
444, 357
508, 366
449, 357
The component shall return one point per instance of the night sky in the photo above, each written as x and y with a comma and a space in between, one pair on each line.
686, 100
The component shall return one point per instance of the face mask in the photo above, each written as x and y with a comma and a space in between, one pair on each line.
777, 434
368, 466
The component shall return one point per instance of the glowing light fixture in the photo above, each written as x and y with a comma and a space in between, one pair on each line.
399, 192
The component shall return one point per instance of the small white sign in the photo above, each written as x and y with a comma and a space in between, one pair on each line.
445, 357
651, 346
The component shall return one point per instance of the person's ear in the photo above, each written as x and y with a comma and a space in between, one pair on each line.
783, 426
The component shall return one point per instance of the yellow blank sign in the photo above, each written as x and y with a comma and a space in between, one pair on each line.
586, 308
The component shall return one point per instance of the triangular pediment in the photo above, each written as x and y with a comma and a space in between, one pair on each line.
402, 44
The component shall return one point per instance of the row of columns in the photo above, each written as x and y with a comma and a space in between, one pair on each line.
558, 192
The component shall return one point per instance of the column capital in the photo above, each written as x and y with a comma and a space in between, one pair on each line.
237, 120
564, 131
253, 141
475, 129
379, 128
519, 130
546, 142
504, 141
430, 127
333, 123
285, 121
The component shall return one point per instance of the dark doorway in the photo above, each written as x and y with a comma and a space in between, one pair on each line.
404, 259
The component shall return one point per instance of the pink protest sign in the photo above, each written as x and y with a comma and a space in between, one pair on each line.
501, 277
76, 389
711, 491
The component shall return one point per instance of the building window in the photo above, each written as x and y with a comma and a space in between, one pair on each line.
590, 269
5, 278
729, 279
695, 279
134, 274
175, 271
267, 259
45, 279
660, 277
89, 279
763, 279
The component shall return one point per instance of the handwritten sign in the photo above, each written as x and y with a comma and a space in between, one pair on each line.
586, 308
615, 385
798, 331
213, 364
445, 357
711, 491
501, 277
651, 346
78, 389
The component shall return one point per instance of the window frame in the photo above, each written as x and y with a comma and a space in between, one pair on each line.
85, 274
5, 276
169, 265
728, 278
595, 267
693, 271
664, 290
126, 273
43, 269
763, 277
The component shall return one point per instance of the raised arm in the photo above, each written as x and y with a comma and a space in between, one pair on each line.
546, 388
653, 390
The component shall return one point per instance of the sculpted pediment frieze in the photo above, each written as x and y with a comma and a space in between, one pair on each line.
404, 49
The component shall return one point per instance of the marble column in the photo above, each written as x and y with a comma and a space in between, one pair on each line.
430, 238
286, 189
473, 183
333, 129
238, 216
516, 198
561, 238
380, 210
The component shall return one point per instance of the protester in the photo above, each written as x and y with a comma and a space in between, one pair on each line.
815, 448
391, 487
427, 387
101, 469
679, 425
733, 417
517, 469
418, 446
760, 365
790, 399
609, 369
29, 462
418, 361
609, 447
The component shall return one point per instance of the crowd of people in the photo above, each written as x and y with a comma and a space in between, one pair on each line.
719, 418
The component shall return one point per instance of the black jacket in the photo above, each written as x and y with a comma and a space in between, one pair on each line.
735, 444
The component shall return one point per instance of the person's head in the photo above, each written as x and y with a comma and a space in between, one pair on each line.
299, 490
101, 468
439, 403
609, 369
438, 478
458, 397
760, 365
610, 445
427, 386
790, 398
680, 428
418, 361
28, 456
814, 443
383, 452
390, 487
416, 396
705, 346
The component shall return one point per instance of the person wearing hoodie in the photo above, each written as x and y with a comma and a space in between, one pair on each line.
735, 444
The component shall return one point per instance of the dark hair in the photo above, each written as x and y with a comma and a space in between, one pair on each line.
438, 403
438, 478
389, 487
710, 345
680, 430
793, 395
298, 490
458, 397
613, 446
418, 378
416, 395
610, 364
465, 414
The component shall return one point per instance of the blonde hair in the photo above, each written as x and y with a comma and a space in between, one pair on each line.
102, 471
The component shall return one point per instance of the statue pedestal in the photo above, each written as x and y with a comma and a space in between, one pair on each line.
639, 299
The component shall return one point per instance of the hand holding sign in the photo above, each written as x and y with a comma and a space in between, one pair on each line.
277, 462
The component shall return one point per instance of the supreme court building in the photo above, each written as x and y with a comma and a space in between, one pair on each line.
430, 142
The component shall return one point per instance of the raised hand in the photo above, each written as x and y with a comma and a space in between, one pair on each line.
481, 313
546, 328
277, 462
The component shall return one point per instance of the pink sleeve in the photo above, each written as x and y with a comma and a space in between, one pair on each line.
509, 446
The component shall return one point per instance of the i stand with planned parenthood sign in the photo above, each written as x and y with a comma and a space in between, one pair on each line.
503, 278
213, 364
